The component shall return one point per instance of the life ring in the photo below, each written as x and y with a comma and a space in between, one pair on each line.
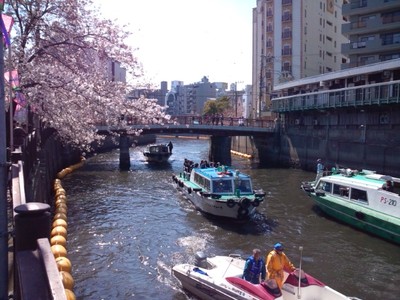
244, 202
242, 213
256, 202
189, 190
230, 203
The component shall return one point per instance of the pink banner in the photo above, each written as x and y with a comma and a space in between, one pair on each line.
14, 79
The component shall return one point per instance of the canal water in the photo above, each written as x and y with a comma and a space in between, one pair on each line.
128, 228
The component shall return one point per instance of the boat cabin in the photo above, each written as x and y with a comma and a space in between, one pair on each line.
158, 149
222, 181
364, 188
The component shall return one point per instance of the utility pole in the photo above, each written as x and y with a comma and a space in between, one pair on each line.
236, 100
3, 184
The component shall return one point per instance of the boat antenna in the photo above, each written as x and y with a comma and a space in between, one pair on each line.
301, 258
227, 268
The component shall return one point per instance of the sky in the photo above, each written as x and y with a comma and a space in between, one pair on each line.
188, 39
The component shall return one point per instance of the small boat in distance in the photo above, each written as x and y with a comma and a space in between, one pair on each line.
363, 199
220, 277
220, 192
158, 153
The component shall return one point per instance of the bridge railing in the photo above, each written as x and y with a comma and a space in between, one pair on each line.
205, 120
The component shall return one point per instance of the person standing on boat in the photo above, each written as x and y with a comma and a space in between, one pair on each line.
170, 146
254, 268
276, 262
320, 170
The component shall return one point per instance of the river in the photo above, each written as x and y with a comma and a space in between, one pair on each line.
128, 228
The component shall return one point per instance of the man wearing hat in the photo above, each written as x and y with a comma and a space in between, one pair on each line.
277, 261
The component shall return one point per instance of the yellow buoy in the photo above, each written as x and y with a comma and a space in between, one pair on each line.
61, 196
59, 230
58, 250
58, 240
60, 216
61, 204
60, 222
60, 201
63, 264
67, 280
70, 294
60, 191
61, 210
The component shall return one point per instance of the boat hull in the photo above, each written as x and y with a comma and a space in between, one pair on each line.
157, 158
220, 278
216, 207
359, 217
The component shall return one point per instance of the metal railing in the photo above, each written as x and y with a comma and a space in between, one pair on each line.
371, 94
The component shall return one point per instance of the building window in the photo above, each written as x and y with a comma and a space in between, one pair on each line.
287, 50
287, 33
287, 16
286, 68
390, 38
391, 17
389, 56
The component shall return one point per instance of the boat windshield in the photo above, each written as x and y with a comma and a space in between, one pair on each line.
222, 186
244, 185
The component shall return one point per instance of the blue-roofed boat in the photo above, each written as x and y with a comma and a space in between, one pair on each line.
363, 199
220, 191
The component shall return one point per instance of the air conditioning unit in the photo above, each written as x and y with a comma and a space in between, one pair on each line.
322, 83
297, 122
315, 122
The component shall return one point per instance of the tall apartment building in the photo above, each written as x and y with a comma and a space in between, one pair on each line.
293, 39
373, 30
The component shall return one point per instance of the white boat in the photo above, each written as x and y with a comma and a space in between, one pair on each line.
220, 277
220, 192
360, 199
157, 153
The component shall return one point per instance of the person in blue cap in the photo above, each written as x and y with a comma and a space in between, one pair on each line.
254, 268
276, 262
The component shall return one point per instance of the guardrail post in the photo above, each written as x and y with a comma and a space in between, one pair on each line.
32, 221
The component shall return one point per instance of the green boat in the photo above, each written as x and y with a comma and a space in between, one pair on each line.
363, 199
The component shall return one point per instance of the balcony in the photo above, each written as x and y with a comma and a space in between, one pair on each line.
369, 26
363, 7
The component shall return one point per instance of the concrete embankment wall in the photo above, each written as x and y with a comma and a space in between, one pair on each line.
372, 147
357, 147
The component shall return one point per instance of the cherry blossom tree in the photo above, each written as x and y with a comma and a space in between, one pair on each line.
63, 50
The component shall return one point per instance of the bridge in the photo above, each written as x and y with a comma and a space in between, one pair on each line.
220, 133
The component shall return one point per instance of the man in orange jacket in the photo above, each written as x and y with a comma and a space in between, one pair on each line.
276, 262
